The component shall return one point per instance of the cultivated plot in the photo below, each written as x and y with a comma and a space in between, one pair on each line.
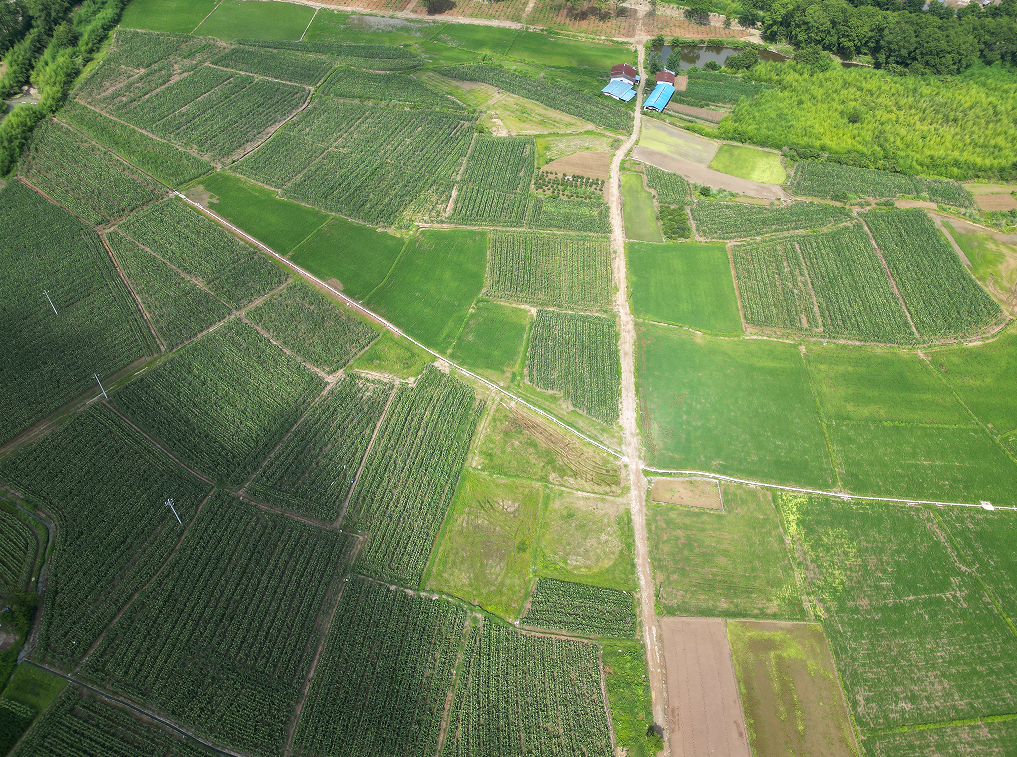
580, 610
737, 220
492, 339
640, 214
748, 163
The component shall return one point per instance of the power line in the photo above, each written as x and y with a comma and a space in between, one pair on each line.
100, 385
46, 292
169, 504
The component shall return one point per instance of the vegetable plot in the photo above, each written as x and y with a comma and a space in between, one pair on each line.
733, 220
580, 609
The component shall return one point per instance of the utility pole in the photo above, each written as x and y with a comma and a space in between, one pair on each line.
169, 503
100, 386
46, 292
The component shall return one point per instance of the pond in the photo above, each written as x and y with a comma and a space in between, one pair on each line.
701, 55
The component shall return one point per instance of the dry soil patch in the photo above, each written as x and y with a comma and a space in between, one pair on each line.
703, 175
690, 492
915, 204
996, 202
704, 113
595, 165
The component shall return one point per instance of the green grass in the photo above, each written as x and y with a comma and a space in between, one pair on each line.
994, 737
687, 284
235, 19
492, 339
281, 224
588, 540
738, 407
640, 214
723, 564
176, 16
34, 687
492, 40
351, 257
628, 694
549, 49
677, 142
983, 378
749, 163
394, 355
485, 553
334, 26
433, 285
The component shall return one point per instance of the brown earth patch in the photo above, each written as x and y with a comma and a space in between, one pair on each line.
690, 492
915, 204
996, 202
595, 165
681, 82
703, 113
200, 195
696, 173
704, 713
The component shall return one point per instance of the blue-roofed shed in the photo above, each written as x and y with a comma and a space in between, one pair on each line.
619, 89
659, 97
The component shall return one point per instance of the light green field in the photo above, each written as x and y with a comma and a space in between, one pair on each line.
433, 285
680, 144
628, 693
985, 377
551, 148
236, 19
723, 564
521, 116
394, 355
337, 26
490, 40
749, 163
993, 263
492, 339
34, 687
738, 407
484, 553
985, 541
640, 213
349, 256
687, 284
175, 16
281, 224
587, 539
553, 50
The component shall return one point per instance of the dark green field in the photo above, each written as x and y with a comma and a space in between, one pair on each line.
492, 339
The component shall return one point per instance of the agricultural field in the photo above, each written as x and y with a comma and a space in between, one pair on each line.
286, 65
391, 700
250, 395
677, 143
312, 326
177, 307
749, 163
495, 184
686, 284
988, 735
628, 693
671, 188
175, 16
723, 564
936, 649
741, 408
395, 356
434, 283
517, 689
982, 539
315, 467
558, 270
18, 549
833, 181
568, 214
47, 358
235, 19
385, 88
202, 643
492, 339
580, 609
640, 214
976, 373
576, 355
409, 477
674, 222
105, 486
729, 220
85, 179
203, 251
486, 547
940, 294
706, 88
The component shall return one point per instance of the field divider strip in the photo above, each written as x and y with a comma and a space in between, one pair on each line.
316, 9
130, 288
389, 325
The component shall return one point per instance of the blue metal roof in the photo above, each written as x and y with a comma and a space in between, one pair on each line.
659, 97
620, 90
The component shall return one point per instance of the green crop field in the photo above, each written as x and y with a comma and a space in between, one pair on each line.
212, 424
280, 224
177, 307
432, 286
567, 214
544, 692
47, 358
580, 609
735, 220
830, 180
687, 284
18, 548
628, 693
640, 215
740, 408
314, 327
884, 579
987, 735
235, 19
671, 188
492, 339
177, 645
979, 374
486, 548
708, 88
495, 184
287, 65
749, 163
396, 88
576, 355
105, 484
393, 355
559, 270
729, 564
176, 16
984, 541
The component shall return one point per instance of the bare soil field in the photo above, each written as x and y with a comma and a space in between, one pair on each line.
595, 165
915, 204
704, 713
690, 492
697, 173
996, 202
704, 113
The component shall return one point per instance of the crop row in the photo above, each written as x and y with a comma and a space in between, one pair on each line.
520, 694
477, 205
177, 308
731, 220
577, 355
384, 675
223, 402
48, 358
315, 468
561, 270
568, 214
554, 95
581, 609
671, 188
939, 293
202, 249
105, 485
370, 85
832, 180
223, 638
410, 475
17, 551
276, 64
504, 163
709, 88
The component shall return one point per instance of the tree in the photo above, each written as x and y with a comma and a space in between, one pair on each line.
655, 64
698, 12
743, 61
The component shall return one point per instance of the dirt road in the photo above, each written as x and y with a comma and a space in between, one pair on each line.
629, 419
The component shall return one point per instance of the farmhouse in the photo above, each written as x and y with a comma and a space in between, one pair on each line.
623, 78
624, 71
665, 76
659, 97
